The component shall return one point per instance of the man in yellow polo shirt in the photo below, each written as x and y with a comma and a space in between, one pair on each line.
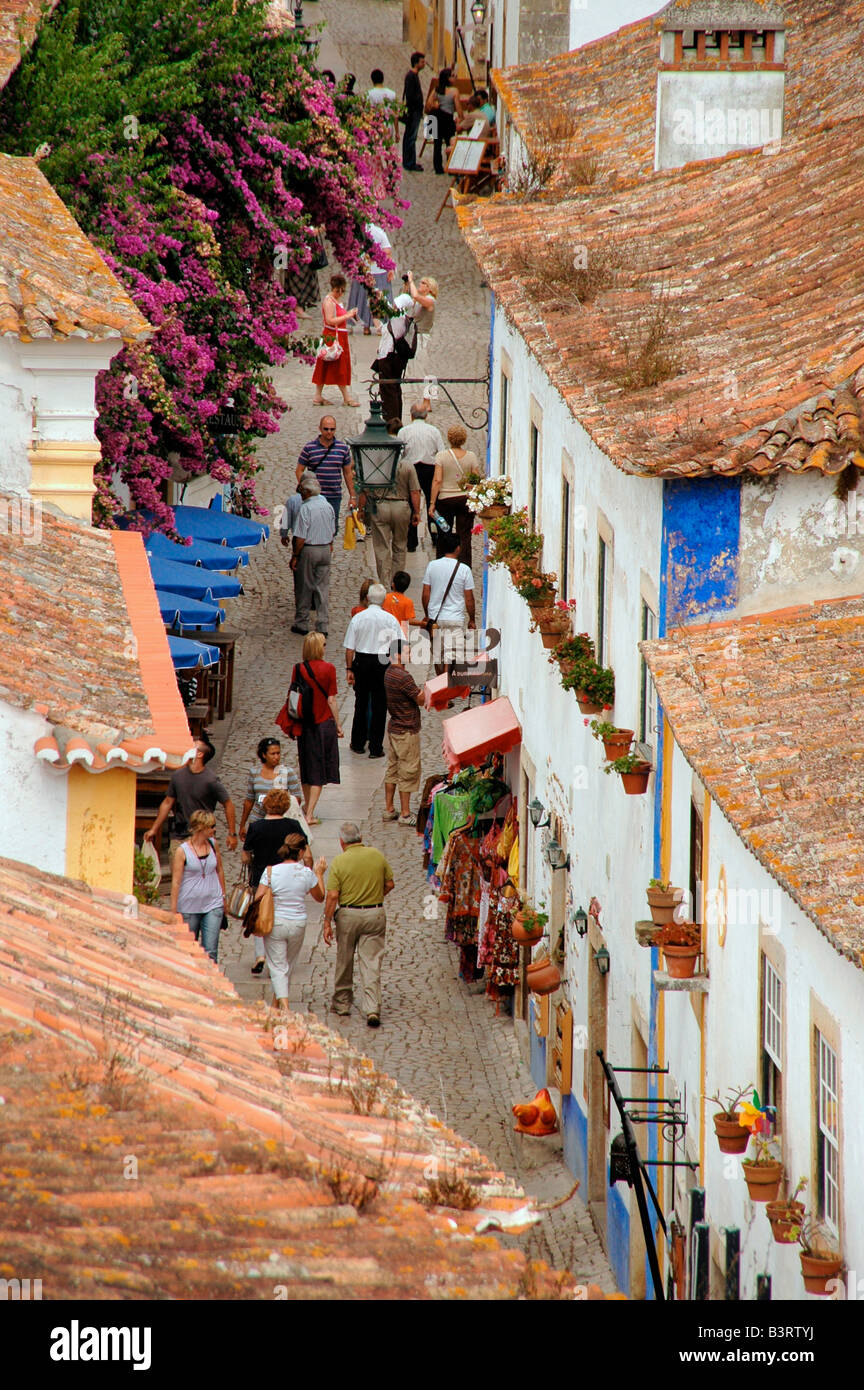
358, 882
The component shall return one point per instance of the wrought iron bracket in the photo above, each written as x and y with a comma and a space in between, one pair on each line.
480, 413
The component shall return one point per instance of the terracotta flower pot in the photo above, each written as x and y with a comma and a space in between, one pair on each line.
732, 1138
524, 935
636, 782
817, 1272
680, 961
786, 1219
495, 510
763, 1180
617, 744
543, 976
586, 704
551, 638
663, 904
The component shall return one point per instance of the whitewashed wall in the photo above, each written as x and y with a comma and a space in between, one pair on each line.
16, 409
609, 834
33, 807
809, 966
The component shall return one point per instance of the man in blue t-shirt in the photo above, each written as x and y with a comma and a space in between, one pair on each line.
329, 459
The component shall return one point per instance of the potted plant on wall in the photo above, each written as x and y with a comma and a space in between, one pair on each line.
529, 924
616, 742
543, 976
537, 588
732, 1136
553, 623
681, 944
490, 498
820, 1260
594, 685
664, 902
786, 1215
633, 771
513, 542
764, 1173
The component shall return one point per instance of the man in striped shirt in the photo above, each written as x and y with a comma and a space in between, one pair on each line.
329, 459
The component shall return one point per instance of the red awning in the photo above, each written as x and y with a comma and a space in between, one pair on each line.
438, 693
489, 728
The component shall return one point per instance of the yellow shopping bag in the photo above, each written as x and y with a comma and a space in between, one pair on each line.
350, 540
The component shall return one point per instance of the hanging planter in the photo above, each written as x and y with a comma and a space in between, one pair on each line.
528, 925
663, 901
763, 1177
681, 943
786, 1219
732, 1138
634, 773
494, 512
490, 498
616, 742
818, 1271
543, 976
593, 684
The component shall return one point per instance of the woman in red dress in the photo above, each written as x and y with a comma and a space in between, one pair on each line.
338, 372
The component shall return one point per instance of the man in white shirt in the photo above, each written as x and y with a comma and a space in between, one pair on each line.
378, 92
287, 522
448, 595
368, 640
422, 442
314, 530
392, 359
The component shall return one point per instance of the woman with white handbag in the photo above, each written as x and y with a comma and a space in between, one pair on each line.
333, 359
264, 839
289, 881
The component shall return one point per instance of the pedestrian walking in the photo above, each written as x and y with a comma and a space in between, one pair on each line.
398, 603
404, 698
287, 522
412, 101
270, 774
290, 881
392, 513
444, 103
358, 882
423, 443
198, 882
318, 741
358, 295
453, 468
334, 370
368, 640
313, 553
194, 787
424, 295
397, 347
264, 839
329, 459
448, 597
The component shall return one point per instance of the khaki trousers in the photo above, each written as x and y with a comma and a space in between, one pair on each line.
360, 932
389, 526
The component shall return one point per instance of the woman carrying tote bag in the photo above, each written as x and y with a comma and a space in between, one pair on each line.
289, 882
448, 498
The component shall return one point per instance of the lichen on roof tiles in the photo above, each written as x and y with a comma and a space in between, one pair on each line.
53, 282
791, 786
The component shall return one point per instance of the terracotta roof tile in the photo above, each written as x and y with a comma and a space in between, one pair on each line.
53, 282
119, 1037
792, 787
763, 311
19, 20
82, 644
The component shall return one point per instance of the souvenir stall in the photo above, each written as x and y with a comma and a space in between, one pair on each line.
471, 850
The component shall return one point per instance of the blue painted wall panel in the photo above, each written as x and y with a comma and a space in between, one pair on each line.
538, 1050
575, 1130
618, 1238
701, 538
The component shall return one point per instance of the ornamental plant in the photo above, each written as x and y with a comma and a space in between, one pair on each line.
489, 492
628, 762
572, 651
534, 587
596, 682
200, 152
728, 1107
513, 540
601, 728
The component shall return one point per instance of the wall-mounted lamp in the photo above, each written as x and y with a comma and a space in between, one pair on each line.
537, 811
580, 921
601, 957
555, 856
478, 11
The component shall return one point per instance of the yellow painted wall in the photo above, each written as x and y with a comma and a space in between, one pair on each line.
416, 27
100, 828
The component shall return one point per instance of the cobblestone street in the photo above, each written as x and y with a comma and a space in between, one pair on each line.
444, 1045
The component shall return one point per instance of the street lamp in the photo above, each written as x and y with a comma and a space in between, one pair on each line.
556, 857
478, 11
580, 921
376, 454
601, 957
537, 811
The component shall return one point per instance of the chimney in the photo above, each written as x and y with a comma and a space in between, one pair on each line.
721, 81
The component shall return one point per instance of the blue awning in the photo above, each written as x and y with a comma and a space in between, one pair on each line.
210, 557
180, 611
222, 528
188, 656
207, 585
